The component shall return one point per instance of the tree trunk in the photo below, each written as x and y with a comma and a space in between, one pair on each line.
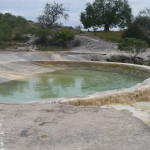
106, 28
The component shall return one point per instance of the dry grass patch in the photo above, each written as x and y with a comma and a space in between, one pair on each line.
113, 36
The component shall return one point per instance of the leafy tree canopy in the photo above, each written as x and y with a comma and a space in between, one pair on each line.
107, 14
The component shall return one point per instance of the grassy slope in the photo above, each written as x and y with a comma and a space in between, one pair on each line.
114, 36
11, 28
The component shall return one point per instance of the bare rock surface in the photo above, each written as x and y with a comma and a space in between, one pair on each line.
6, 57
94, 45
64, 127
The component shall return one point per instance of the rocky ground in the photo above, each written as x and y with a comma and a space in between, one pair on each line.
90, 49
88, 44
64, 127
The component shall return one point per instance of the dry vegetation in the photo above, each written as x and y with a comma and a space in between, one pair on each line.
113, 36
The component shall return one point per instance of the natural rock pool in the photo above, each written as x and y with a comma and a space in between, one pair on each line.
64, 83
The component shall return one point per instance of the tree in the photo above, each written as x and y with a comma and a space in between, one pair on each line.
87, 17
144, 13
52, 13
107, 14
140, 27
133, 46
78, 28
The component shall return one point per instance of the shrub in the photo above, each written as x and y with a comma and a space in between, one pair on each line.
140, 28
120, 58
133, 46
12, 27
5, 32
60, 42
66, 34
50, 37
42, 35
21, 38
60, 38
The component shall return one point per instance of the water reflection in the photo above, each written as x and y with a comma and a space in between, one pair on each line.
56, 85
66, 83
9, 88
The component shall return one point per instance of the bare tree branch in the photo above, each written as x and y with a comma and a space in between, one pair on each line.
51, 14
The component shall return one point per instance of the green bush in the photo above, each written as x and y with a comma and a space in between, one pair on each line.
66, 34
42, 35
47, 37
13, 28
5, 32
21, 38
139, 29
120, 58
133, 46
60, 42
60, 38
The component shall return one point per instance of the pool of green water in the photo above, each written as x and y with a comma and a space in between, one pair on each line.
66, 83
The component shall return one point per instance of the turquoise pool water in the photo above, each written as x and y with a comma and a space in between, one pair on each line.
66, 83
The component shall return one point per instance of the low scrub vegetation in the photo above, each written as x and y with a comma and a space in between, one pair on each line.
54, 38
140, 27
133, 46
13, 27
113, 36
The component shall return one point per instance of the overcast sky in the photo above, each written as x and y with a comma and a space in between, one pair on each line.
31, 9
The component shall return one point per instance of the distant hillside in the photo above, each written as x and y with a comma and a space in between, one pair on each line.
11, 27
